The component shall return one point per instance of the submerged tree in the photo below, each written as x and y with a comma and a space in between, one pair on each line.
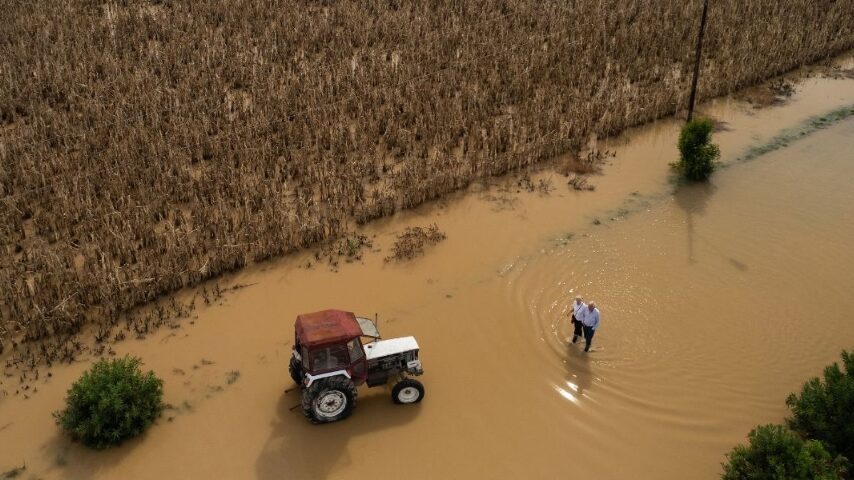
776, 453
825, 410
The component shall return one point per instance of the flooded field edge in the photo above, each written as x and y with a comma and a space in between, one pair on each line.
784, 138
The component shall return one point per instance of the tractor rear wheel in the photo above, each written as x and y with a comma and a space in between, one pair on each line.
407, 390
295, 369
329, 399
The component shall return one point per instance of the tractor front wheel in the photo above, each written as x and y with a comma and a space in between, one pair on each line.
329, 399
407, 391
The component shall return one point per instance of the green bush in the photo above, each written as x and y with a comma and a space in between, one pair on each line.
697, 155
777, 453
111, 402
825, 411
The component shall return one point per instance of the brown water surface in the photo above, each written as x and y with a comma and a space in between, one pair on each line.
717, 301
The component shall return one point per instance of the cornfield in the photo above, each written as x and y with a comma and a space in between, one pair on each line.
150, 145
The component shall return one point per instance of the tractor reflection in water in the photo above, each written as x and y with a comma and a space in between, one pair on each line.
329, 361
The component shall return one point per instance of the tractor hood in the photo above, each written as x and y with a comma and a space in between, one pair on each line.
394, 346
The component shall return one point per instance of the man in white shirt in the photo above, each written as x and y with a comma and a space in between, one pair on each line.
578, 331
589, 318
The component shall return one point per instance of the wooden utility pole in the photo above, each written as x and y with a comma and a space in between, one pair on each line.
697, 61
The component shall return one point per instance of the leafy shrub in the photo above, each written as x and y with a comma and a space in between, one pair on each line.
825, 410
111, 402
697, 155
777, 453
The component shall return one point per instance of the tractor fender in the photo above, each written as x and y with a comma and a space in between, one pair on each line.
309, 378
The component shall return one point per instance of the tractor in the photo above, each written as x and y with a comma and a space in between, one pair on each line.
335, 351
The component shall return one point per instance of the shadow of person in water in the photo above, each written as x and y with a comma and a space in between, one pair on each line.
298, 449
579, 377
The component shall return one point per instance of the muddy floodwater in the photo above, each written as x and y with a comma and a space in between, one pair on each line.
717, 301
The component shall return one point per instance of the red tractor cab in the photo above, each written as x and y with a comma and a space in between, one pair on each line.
335, 351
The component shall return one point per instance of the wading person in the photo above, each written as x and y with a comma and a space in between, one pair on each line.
589, 318
577, 331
